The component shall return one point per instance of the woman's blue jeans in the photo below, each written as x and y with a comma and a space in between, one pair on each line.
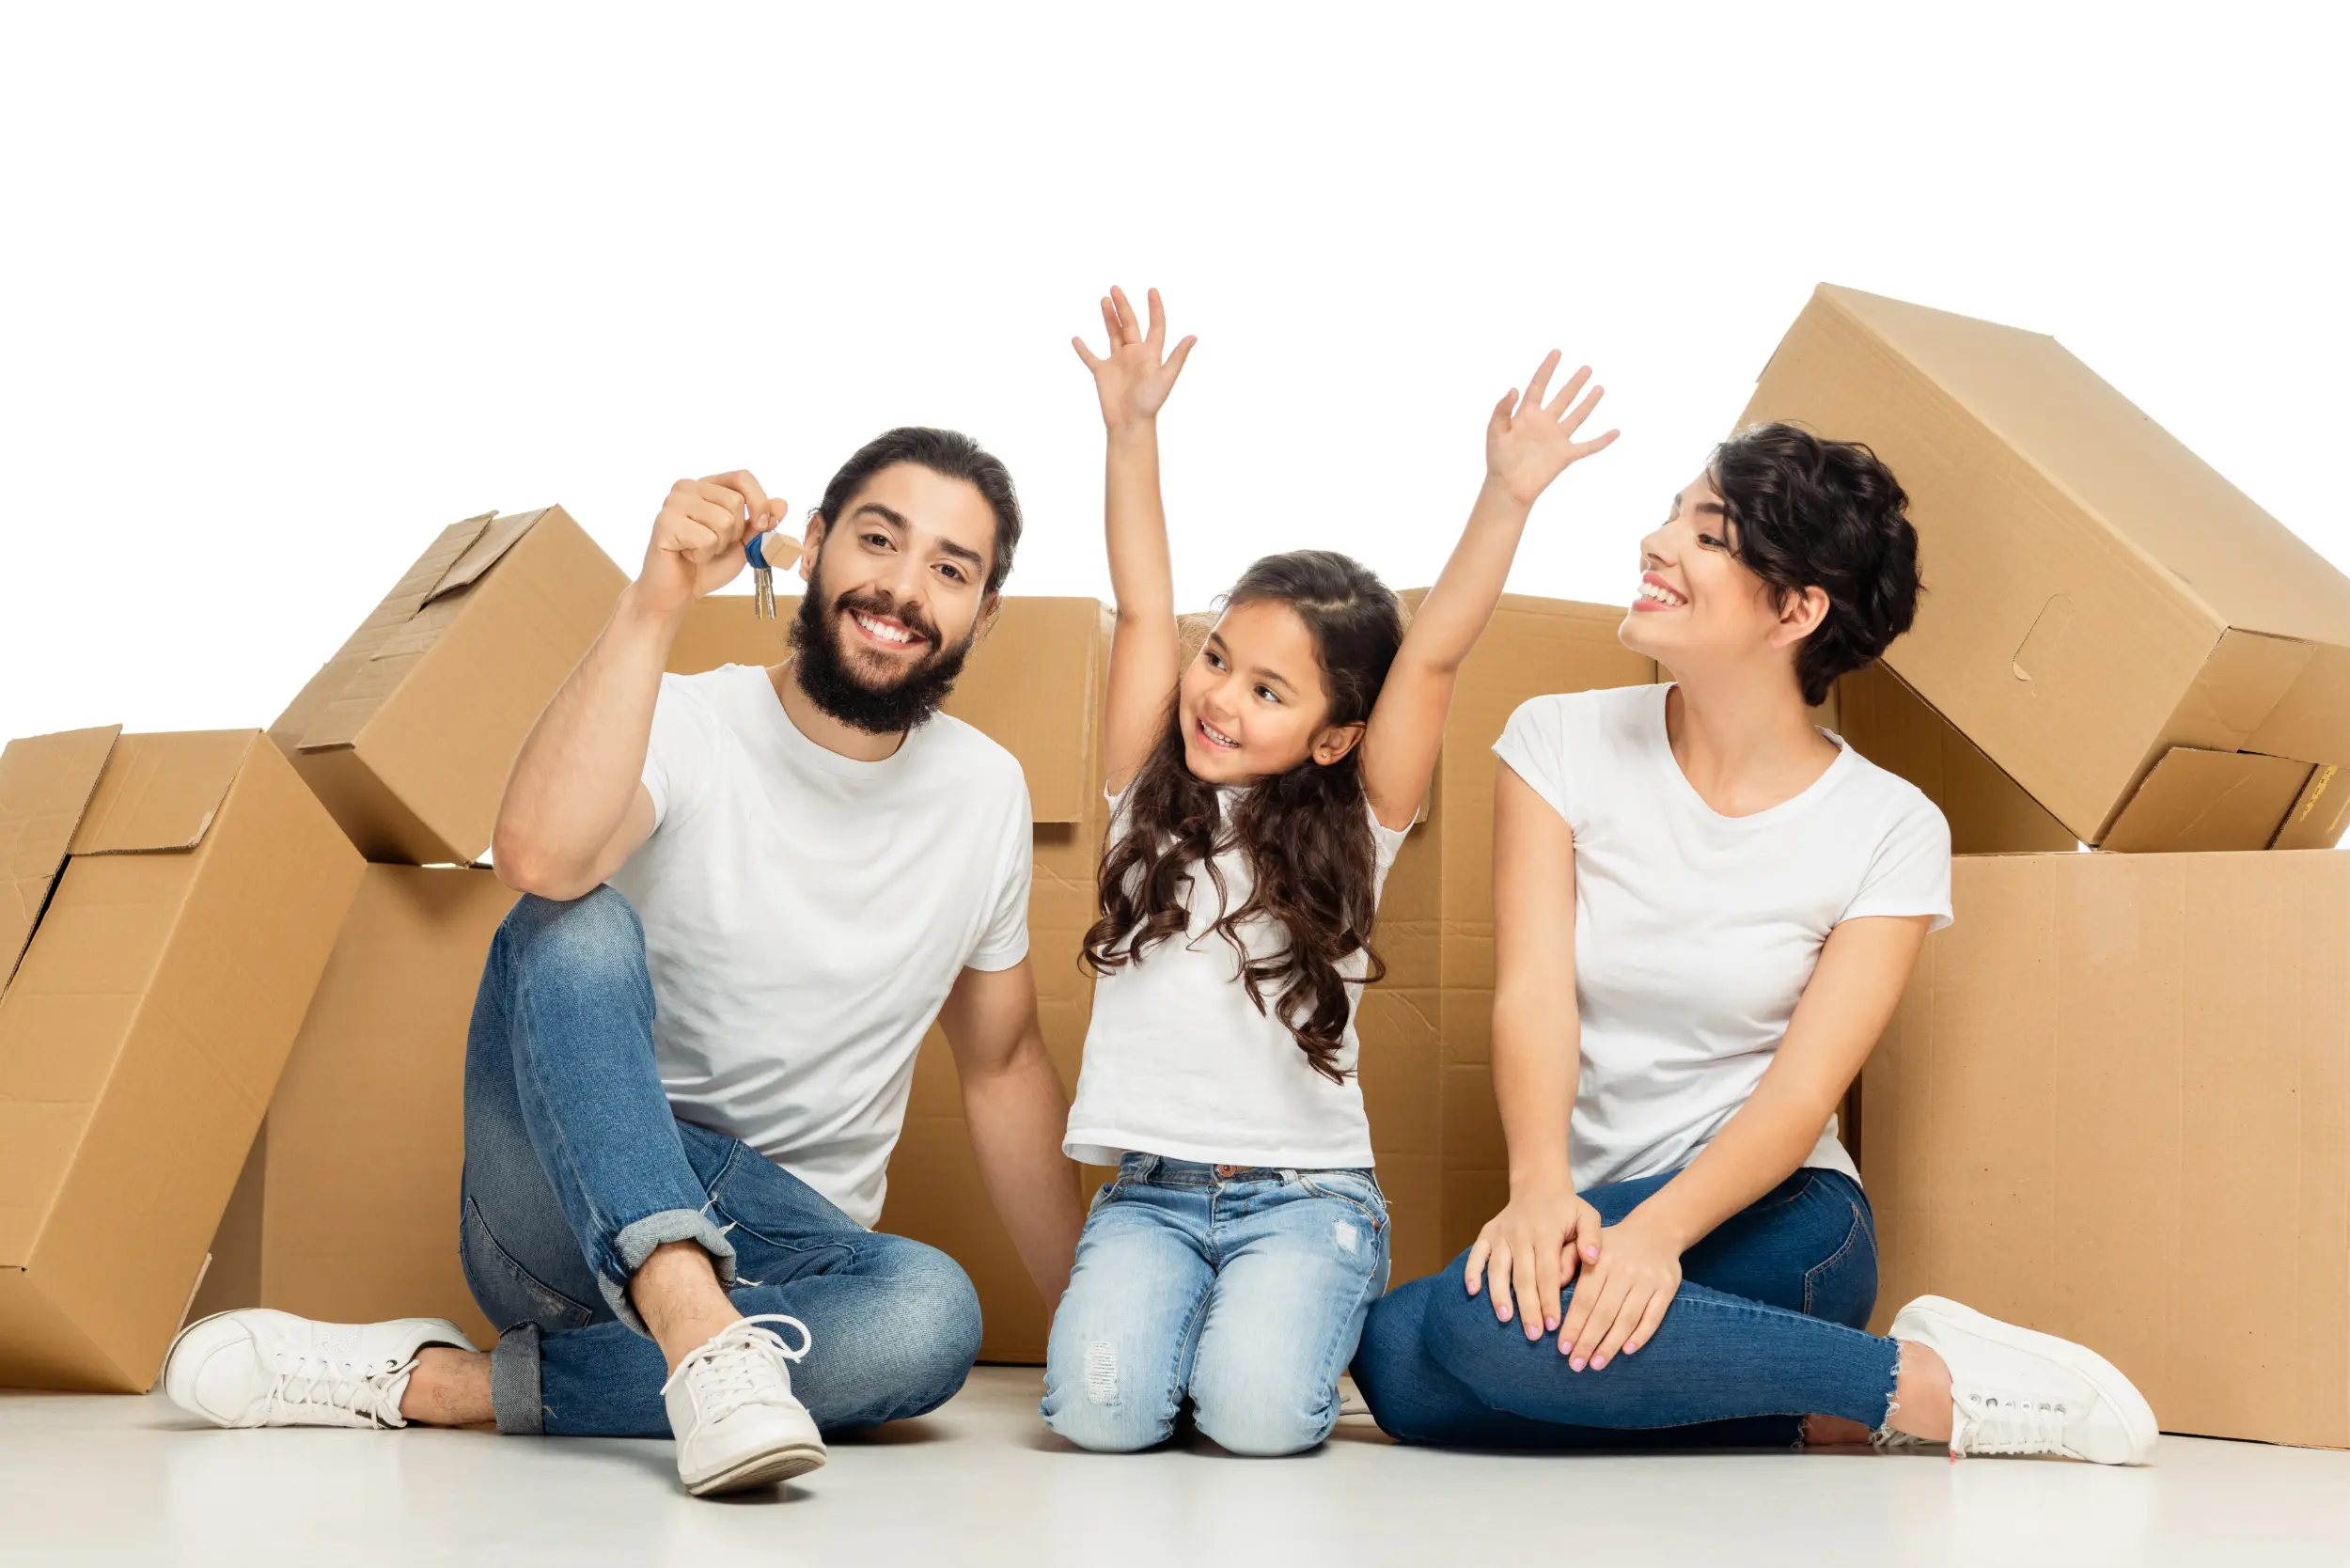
576, 1170
1765, 1330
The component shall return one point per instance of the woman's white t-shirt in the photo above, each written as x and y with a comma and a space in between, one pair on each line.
1695, 933
1179, 1061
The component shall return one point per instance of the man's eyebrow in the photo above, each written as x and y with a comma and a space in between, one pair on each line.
894, 519
948, 547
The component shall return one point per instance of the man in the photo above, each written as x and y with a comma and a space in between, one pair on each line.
749, 893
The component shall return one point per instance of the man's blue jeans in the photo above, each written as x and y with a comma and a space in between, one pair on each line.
576, 1170
1765, 1330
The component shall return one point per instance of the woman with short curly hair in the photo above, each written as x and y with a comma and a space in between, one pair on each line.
1705, 910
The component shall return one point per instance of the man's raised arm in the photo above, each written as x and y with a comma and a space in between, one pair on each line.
575, 806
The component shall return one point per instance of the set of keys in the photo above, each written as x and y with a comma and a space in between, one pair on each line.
762, 577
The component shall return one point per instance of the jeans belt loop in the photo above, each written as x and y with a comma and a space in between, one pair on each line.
1289, 1176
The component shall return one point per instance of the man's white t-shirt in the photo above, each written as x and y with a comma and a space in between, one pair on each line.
1695, 933
1179, 1061
806, 915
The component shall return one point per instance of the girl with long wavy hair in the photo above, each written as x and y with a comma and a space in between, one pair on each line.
1260, 795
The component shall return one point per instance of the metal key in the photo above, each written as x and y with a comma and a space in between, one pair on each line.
762, 579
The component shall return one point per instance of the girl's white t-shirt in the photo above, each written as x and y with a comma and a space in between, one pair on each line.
1179, 1061
1695, 933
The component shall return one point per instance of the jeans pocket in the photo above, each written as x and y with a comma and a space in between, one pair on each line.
1358, 1189
503, 1289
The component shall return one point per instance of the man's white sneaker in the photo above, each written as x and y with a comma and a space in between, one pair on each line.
263, 1367
2016, 1391
730, 1405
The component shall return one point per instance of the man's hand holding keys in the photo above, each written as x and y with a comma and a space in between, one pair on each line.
700, 535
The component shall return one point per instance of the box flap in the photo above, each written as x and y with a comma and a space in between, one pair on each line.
46, 786
2317, 818
498, 535
161, 792
2140, 480
2209, 800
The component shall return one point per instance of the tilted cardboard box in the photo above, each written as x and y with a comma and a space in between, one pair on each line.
408, 732
2156, 660
1034, 685
2114, 1104
176, 899
348, 1206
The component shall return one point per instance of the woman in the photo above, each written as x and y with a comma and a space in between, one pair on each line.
1705, 911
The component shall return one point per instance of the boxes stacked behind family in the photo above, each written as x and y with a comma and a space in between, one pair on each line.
2115, 1101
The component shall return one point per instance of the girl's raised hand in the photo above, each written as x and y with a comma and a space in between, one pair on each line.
1134, 378
1529, 442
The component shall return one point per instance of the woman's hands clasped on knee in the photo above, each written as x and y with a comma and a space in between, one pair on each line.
1624, 1294
1531, 1252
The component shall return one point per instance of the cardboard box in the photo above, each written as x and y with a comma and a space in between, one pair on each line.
1034, 683
176, 897
348, 1206
2156, 660
2115, 1104
1989, 813
408, 732
1427, 1031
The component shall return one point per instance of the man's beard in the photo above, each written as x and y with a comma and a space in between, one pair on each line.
832, 683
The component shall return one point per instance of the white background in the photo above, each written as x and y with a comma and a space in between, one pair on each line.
285, 291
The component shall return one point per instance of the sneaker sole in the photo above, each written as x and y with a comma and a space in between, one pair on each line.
773, 1465
2113, 1387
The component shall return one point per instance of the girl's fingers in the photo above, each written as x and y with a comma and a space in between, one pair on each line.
1587, 1292
1546, 1288
1175, 360
1558, 405
1536, 389
1572, 420
1498, 1280
1109, 322
1157, 335
1597, 444
1085, 353
1129, 330
1474, 1275
1603, 1323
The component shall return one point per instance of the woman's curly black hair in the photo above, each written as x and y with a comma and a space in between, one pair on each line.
1305, 834
1806, 512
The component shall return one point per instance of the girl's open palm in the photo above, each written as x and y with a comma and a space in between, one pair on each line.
1529, 442
1138, 374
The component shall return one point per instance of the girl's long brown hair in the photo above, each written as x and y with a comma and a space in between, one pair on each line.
1304, 834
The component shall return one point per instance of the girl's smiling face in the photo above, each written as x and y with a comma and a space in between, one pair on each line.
1253, 702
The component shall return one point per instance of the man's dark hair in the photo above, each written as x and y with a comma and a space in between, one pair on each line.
1806, 512
948, 453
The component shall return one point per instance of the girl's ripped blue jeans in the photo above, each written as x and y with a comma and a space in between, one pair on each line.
1242, 1290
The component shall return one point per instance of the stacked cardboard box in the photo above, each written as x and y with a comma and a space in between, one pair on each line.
347, 1207
2115, 1102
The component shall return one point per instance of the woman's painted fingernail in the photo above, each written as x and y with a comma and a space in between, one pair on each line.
1599, 1363
1576, 1361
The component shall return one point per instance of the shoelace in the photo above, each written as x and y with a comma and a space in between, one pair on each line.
321, 1383
1990, 1424
739, 1365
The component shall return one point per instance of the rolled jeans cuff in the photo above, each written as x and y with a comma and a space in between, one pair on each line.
635, 1243
515, 1398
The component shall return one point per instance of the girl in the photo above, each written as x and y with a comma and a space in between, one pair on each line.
1254, 816
1705, 910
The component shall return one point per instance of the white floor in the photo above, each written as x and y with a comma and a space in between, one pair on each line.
112, 1480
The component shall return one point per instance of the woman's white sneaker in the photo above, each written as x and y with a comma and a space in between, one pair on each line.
2016, 1391
263, 1367
738, 1423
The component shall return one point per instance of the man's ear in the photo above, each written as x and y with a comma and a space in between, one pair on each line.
1334, 742
811, 540
989, 607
